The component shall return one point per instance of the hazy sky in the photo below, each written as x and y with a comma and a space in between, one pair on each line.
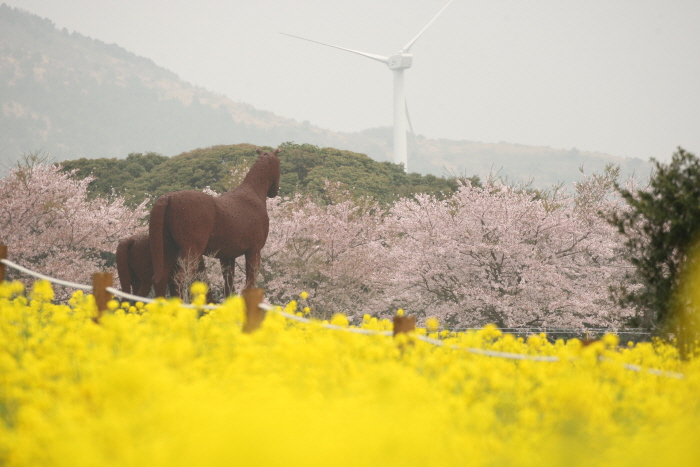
620, 77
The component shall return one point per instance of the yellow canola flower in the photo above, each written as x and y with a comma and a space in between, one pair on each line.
304, 295
42, 291
11, 289
339, 319
165, 387
490, 332
291, 307
611, 340
198, 288
432, 324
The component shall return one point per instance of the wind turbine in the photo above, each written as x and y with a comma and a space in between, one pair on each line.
397, 63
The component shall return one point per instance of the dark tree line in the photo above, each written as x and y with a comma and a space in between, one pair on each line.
305, 168
662, 230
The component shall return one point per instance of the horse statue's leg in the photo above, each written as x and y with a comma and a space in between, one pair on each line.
169, 263
228, 267
123, 268
144, 286
135, 285
172, 287
252, 266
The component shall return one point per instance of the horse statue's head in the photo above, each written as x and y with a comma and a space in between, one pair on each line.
271, 163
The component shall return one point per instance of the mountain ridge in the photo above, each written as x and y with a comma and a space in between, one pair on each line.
77, 97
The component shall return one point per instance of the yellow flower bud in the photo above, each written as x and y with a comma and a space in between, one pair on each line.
339, 319
432, 324
199, 288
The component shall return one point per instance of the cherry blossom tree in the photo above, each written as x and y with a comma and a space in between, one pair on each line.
50, 225
331, 250
495, 253
501, 255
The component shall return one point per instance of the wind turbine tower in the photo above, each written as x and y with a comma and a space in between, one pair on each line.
397, 63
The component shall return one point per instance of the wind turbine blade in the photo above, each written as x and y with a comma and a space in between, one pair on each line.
410, 127
379, 58
410, 44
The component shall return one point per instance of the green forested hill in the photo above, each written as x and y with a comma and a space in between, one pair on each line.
305, 168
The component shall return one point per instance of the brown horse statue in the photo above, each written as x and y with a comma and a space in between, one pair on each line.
188, 224
135, 266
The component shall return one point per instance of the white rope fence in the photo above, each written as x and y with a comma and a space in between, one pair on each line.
37, 275
274, 308
136, 298
75, 285
335, 327
557, 330
545, 358
653, 371
491, 353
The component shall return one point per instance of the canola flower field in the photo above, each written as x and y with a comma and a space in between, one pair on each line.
163, 385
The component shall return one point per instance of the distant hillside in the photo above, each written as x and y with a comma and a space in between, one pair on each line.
75, 97
544, 166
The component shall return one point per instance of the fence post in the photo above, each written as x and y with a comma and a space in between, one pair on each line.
100, 281
3, 255
404, 324
254, 315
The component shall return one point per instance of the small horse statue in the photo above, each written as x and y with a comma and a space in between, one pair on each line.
135, 266
188, 224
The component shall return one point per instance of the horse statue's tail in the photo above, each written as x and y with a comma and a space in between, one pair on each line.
123, 263
156, 234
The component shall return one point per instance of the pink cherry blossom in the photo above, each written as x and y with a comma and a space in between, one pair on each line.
50, 225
